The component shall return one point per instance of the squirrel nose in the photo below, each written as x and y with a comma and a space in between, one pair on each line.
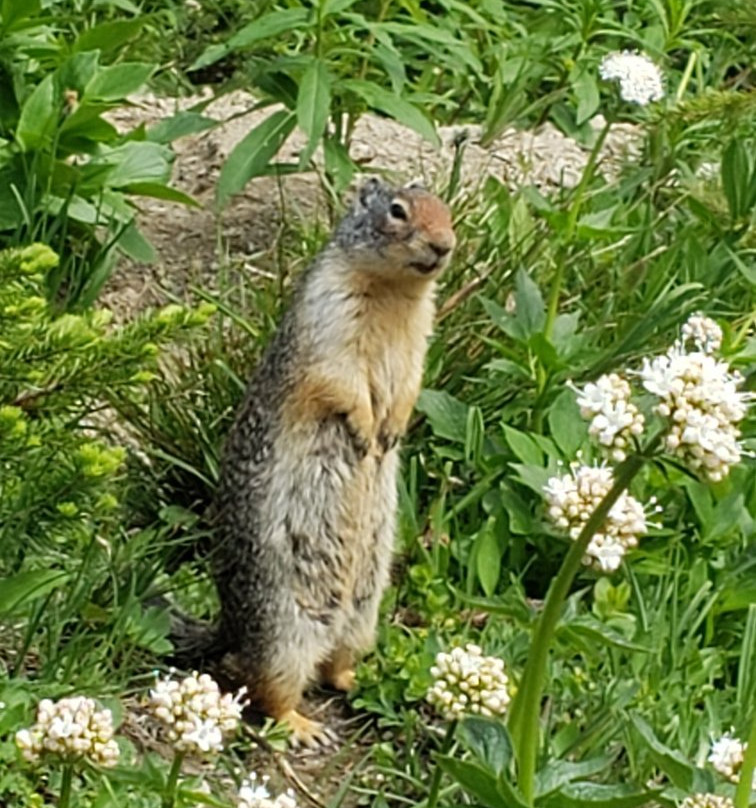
441, 249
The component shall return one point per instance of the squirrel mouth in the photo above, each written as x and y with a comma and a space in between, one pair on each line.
425, 268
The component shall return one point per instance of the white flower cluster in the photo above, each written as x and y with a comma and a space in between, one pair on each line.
726, 757
640, 79
704, 332
614, 418
572, 498
254, 794
699, 394
72, 728
468, 682
707, 801
194, 713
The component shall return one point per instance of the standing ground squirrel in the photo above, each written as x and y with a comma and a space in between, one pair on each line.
307, 495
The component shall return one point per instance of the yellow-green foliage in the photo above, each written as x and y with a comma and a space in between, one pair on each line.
62, 477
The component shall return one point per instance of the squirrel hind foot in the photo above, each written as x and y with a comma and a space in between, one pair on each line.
307, 733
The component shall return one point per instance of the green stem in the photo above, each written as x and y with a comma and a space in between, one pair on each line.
435, 785
555, 291
169, 797
65, 786
745, 778
524, 716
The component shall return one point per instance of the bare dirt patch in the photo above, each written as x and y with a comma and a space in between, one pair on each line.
192, 243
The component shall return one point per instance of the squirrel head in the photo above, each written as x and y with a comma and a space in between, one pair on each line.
397, 232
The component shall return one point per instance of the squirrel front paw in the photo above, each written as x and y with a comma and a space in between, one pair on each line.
360, 426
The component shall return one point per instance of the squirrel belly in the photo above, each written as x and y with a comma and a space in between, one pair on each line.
307, 497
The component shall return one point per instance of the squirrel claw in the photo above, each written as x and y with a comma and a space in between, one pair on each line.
307, 733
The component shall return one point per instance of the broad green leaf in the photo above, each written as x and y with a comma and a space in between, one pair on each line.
591, 634
557, 773
11, 180
534, 477
265, 27
117, 81
110, 35
477, 780
134, 244
251, 156
489, 740
530, 310
487, 554
179, 125
518, 513
137, 162
446, 414
39, 115
15, 12
679, 770
20, 589
596, 795
395, 107
586, 91
313, 106
78, 70
567, 427
522, 445
502, 319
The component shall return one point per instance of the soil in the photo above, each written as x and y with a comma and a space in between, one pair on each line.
193, 243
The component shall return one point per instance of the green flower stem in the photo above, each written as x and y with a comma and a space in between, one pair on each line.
169, 798
435, 785
65, 786
524, 716
569, 231
745, 778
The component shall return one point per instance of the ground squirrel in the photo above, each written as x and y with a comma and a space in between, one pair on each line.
307, 496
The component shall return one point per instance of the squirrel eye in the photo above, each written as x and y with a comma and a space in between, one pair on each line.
398, 211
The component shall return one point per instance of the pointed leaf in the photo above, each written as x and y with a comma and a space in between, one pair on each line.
20, 589
530, 310
596, 795
446, 414
117, 81
313, 106
39, 115
251, 156
672, 763
476, 780
395, 107
489, 740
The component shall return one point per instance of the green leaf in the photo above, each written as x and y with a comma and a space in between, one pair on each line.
589, 633
446, 414
566, 424
596, 795
339, 165
557, 773
534, 477
115, 82
133, 243
523, 446
14, 12
476, 780
313, 106
395, 107
251, 156
180, 125
487, 554
587, 93
137, 162
39, 115
265, 27
20, 589
157, 190
489, 740
739, 177
108, 36
518, 513
672, 763
530, 310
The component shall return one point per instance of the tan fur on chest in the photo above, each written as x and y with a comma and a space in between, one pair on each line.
365, 359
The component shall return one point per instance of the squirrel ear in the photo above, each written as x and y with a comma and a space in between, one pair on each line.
417, 185
369, 190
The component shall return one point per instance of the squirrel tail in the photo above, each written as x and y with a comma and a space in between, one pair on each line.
195, 642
